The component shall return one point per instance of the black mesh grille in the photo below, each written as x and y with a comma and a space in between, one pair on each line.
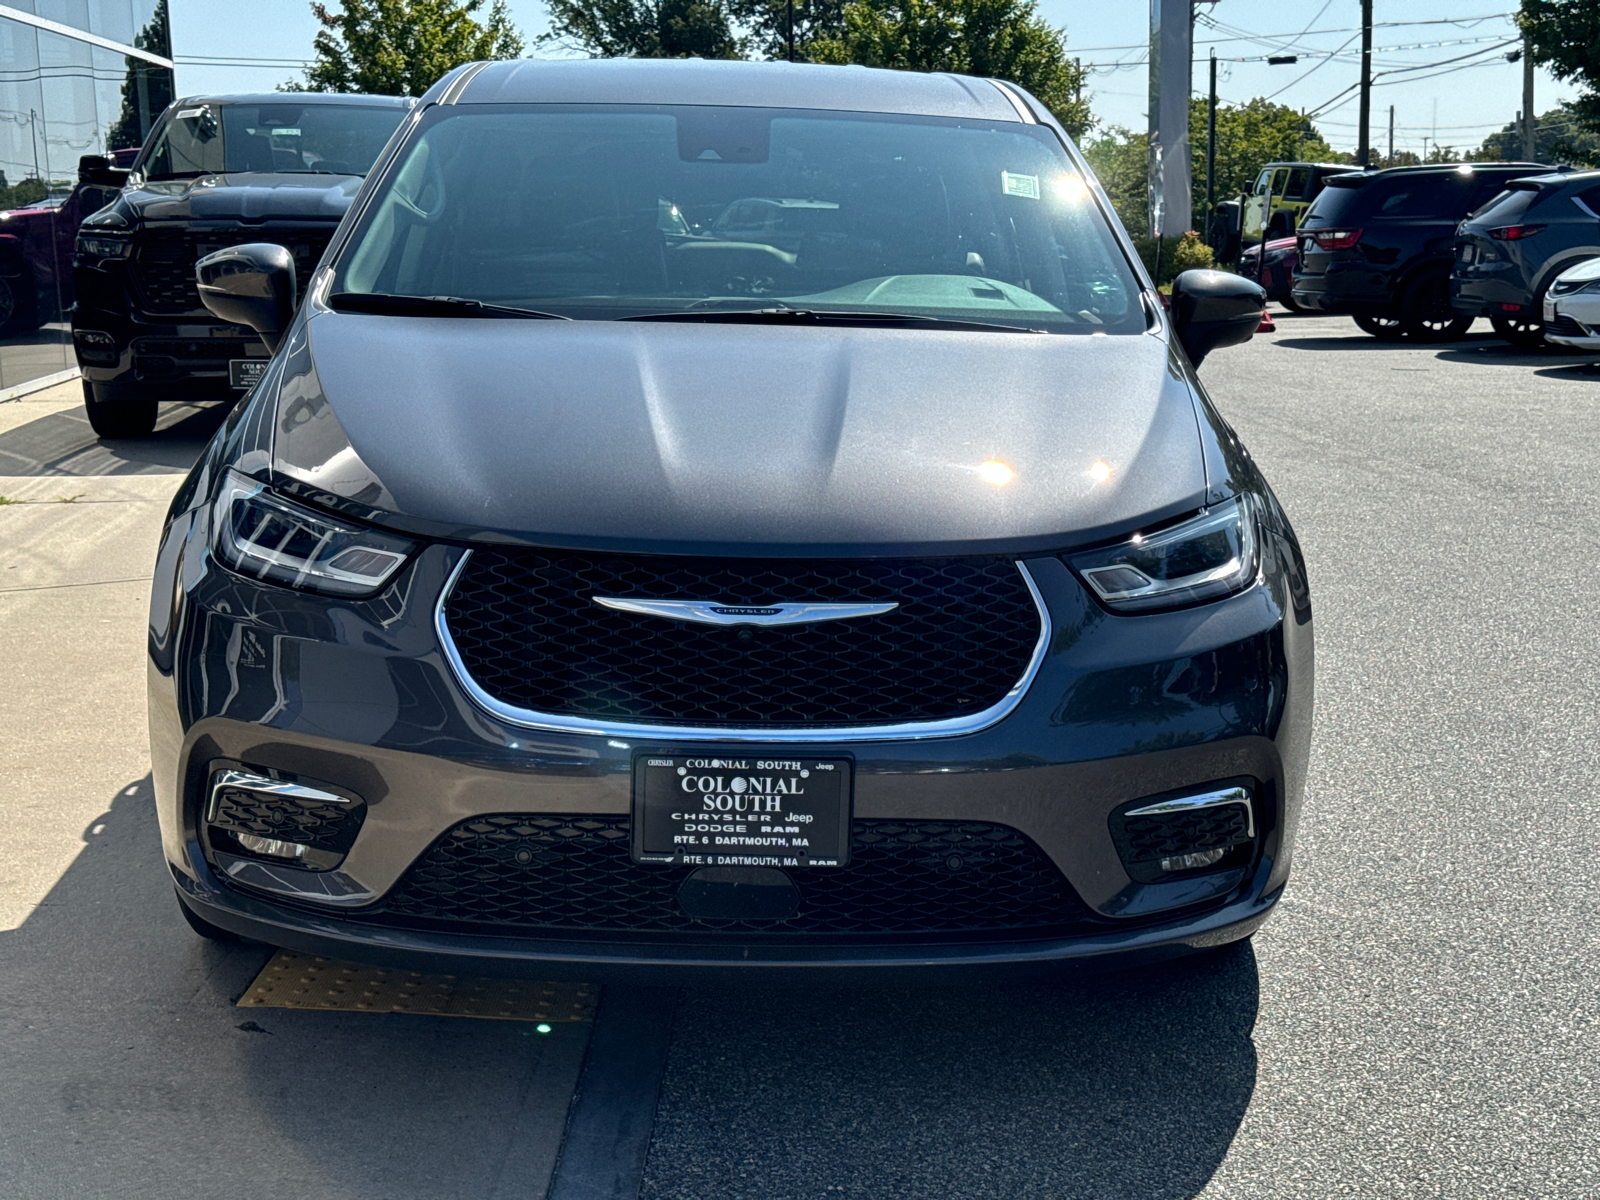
1565, 326
1143, 842
163, 262
1166, 834
542, 874
531, 635
321, 824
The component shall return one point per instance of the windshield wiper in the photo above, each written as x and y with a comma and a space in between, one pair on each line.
432, 306
785, 315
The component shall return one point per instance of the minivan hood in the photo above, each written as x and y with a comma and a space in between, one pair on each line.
596, 434
244, 197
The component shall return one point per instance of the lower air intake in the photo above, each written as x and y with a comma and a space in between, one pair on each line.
537, 874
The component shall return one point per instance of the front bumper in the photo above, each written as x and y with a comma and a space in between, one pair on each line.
359, 695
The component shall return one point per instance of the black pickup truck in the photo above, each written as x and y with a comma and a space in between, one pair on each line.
216, 171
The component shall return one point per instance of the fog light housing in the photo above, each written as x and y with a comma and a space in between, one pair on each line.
95, 347
289, 822
1170, 837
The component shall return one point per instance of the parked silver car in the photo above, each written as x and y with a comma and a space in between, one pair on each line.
1572, 307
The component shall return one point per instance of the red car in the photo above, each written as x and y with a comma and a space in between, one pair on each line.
1277, 273
36, 242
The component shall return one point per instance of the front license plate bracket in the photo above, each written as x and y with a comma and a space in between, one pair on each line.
711, 810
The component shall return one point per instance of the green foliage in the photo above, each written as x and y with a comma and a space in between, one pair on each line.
402, 47
22, 193
1119, 160
768, 22
644, 28
129, 128
1005, 39
1564, 36
1178, 254
1559, 136
1248, 137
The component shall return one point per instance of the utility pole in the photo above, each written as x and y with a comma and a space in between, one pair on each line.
1211, 146
1389, 162
1364, 147
791, 30
1527, 100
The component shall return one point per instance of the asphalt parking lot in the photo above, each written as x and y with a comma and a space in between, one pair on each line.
1420, 1018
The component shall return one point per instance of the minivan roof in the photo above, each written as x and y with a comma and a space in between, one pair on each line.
718, 82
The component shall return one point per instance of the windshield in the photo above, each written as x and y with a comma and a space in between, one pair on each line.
615, 211
206, 139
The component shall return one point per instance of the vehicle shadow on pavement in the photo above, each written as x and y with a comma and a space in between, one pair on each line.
1123, 1085
63, 444
129, 1073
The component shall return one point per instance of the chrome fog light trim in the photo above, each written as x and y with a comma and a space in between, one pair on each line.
1215, 799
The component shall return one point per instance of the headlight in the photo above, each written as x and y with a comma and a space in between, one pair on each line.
104, 247
1204, 558
265, 536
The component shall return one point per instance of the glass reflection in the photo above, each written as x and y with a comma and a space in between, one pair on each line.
62, 99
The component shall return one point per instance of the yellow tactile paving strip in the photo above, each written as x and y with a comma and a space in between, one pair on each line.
293, 980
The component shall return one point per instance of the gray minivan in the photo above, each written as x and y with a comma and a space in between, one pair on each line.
1509, 251
866, 584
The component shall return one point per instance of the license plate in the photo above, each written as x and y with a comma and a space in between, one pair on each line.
246, 372
1467, 254
1549, 310
706, 810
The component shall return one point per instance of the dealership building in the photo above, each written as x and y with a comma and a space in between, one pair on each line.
77, 77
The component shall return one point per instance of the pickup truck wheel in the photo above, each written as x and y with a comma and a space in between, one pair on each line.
1384, 328
17, 307
1519, 331
1426, 314
134, 417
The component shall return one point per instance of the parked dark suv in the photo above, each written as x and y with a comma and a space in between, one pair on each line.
1508, 253
217, 171
1378, 245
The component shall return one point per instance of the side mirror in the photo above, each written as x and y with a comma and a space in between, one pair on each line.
97, 169
1212, 309
250, 285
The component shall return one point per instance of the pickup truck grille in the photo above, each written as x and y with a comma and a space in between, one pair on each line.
163, 262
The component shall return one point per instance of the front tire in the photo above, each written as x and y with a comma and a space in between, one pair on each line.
1385, 328
1426, 314
1519, 331
109, 417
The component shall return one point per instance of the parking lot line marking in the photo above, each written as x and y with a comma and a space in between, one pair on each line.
304, 981
614, 1112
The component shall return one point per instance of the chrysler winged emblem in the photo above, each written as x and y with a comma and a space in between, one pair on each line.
714, 612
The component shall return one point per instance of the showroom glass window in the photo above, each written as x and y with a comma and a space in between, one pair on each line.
63, 97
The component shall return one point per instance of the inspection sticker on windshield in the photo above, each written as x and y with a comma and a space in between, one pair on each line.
1020, 185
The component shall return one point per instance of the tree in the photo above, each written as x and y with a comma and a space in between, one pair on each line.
1004, 39
147, 89
768, 22
644, 28
1248, 137
403, 47
1121, 161
1559, 136
1564, 35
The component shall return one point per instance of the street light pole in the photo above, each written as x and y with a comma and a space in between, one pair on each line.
1211, 146
1364, 147
791, 30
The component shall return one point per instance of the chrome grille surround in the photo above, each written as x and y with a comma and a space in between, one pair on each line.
558, 723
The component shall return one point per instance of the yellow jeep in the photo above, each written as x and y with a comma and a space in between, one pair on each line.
1293, 186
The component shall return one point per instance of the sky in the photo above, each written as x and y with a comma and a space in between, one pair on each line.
1455, 103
